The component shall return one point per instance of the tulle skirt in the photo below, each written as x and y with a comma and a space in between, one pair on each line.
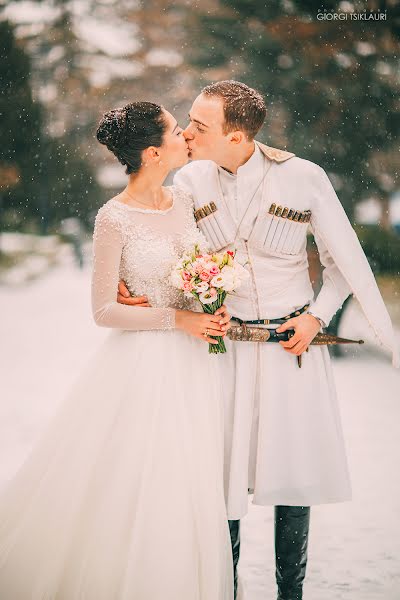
122, 498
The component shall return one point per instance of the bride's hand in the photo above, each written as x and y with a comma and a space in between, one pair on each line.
203, 325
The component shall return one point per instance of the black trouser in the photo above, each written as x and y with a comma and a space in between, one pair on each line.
234, 528
291, 541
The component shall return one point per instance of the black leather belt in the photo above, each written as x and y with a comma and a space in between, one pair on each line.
279, 321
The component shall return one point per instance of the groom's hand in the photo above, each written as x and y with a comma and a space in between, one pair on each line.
124, 297
306, 327
224, 318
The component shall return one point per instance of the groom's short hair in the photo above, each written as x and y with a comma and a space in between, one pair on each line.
244, 107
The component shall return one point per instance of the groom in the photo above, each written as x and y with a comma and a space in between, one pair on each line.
283, 438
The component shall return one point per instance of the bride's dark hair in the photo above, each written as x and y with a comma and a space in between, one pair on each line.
129, 130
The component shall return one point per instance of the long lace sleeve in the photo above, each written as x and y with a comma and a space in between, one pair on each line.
107, 250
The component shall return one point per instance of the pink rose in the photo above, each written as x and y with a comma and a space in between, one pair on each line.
212, 292
186, 275
187, 286
205, 276
214, 270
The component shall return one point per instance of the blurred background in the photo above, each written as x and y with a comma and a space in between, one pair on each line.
332, 89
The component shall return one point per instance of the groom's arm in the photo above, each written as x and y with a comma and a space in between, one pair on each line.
332, 233
335, 289
346, 268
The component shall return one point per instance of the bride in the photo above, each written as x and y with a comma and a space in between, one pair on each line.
122, 499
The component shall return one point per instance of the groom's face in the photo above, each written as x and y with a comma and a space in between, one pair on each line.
204, 134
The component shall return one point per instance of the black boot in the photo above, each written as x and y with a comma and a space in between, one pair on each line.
291, 540
234, 528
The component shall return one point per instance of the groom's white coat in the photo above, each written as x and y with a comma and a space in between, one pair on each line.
283, 434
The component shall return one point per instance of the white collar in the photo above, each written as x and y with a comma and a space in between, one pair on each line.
249, 169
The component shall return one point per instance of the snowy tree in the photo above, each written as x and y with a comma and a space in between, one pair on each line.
20, 128
332, 87
42, 178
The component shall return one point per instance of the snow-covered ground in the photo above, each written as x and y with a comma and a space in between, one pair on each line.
46, 334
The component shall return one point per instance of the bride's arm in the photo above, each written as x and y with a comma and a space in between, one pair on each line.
107, 250
107, 312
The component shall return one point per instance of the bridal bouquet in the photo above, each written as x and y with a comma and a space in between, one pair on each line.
209, 278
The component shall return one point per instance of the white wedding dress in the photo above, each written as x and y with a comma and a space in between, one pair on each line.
122, 499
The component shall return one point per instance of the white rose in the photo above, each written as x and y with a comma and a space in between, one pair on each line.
218, 281
205, 298
201, 287
227, 279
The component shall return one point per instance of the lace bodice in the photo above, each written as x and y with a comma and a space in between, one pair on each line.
141, 246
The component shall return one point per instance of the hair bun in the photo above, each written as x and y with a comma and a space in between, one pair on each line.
110, 131
129, 130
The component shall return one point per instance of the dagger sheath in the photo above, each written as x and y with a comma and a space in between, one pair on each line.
243, 333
